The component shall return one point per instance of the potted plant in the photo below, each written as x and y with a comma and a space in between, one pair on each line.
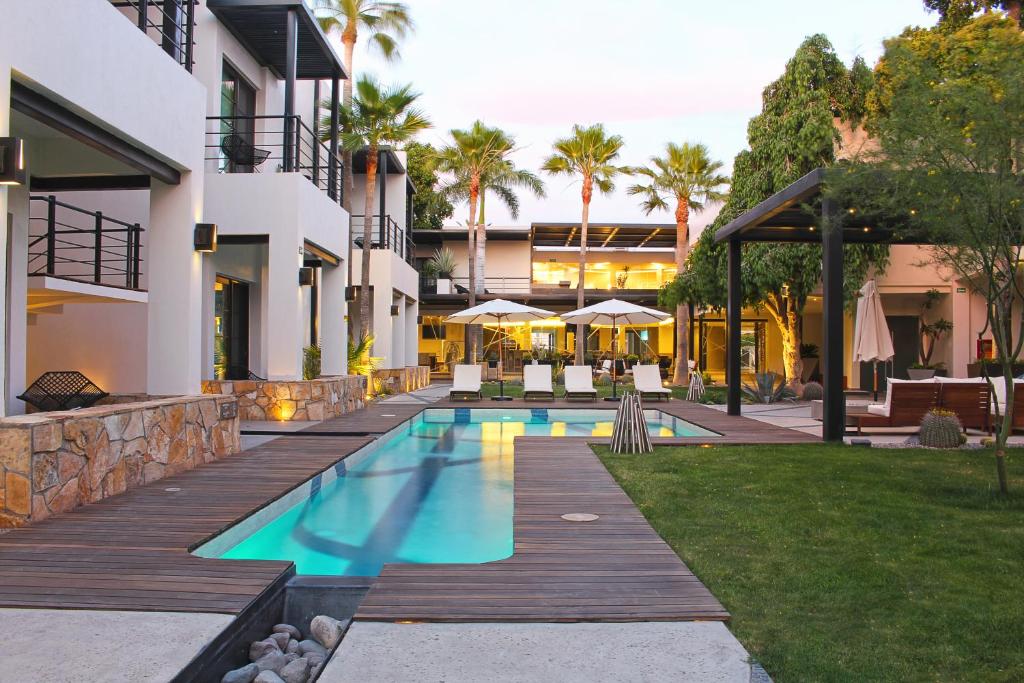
441, 265
527, 357
622, 278
931, 333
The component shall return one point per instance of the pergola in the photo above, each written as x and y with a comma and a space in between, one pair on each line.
803, 213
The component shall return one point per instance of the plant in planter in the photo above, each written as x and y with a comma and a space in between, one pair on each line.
931, 333
632, 359
311, 362
441, 265
527, 357
622, 278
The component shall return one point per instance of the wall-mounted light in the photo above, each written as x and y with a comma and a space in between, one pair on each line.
350, 293
12, 161
306, 277
419, 320
394, 310
204, 237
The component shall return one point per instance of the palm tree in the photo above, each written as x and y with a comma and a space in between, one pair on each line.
473, 157
378, 116
588, 153
687, 175
385, 23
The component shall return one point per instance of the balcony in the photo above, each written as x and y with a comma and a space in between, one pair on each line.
390, 237
272, 144
72, 243
170, 23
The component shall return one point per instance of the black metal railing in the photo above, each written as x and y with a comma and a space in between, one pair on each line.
272, 144
70, 242
391, 236
171, 23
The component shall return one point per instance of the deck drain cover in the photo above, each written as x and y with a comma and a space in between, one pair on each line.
172, 489
579, 517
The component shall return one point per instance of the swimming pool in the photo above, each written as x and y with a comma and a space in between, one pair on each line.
436, 489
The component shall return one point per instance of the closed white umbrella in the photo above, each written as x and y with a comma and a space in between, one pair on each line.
872, 340
614, 312
499, 310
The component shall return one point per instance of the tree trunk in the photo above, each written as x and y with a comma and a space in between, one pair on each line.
471, 336
347, 182
581, 339
681, 374
481, 246
1012, 8
788, 322
364, 275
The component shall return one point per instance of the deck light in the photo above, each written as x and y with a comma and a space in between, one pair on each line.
204, 237
12, 161
306, 276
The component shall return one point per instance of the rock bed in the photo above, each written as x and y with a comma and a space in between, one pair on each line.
286, 657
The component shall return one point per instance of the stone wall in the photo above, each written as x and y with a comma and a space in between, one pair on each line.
316, 400
402, 380
55, 461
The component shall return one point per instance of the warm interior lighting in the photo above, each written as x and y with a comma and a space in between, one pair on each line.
204, 237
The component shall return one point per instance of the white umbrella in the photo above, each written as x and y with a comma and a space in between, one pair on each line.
614, 312
499, 310
872, 340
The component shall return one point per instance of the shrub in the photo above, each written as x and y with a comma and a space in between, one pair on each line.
311, 362
941, 429
603, 380
812, 391
706, 377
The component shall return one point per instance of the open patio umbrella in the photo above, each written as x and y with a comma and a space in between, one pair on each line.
614, 312
499, 311
872, 340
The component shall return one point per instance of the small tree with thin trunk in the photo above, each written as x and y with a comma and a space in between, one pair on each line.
684, 180
588, 153
385, 23
378, 116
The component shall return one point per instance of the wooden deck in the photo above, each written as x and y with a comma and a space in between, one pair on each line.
130, 552
613, 569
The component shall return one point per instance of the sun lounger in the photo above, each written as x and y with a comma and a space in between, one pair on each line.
999, 387
969, 398
537, 382
579, 383
647, 380
906, 404
466, 383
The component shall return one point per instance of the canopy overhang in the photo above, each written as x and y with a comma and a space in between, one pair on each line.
262, 27
605, 235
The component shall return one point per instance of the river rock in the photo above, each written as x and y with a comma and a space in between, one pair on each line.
281, 639
327, 630
308, 646
296, 672
275, 661
247, 674
268, 677
293, 647
289, 629
315, 659
262, 648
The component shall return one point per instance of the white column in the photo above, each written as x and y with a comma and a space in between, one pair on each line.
332, 320
174, 353
412, 337
17, 314
5, 127
962, 337
285, 324
381, 325
398, 334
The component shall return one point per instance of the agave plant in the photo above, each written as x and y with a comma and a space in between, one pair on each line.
769, 388
441, 264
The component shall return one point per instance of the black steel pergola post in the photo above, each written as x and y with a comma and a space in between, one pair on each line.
332, 185
735, 317
291, 58
834, 400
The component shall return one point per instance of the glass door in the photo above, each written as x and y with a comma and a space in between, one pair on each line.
237, 127
230, 329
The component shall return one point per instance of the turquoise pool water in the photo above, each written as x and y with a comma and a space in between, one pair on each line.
437, 489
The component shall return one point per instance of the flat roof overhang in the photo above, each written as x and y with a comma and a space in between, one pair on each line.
431, 236
608, 235
260, 25
394, 164
566, 299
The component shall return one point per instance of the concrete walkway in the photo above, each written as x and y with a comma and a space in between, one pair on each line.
702, 652
69, 646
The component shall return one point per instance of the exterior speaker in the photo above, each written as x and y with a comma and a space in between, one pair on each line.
204, 237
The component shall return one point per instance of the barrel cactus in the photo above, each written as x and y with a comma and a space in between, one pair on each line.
941, 429
812, 392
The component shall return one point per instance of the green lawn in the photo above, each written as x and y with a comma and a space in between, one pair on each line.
849, 564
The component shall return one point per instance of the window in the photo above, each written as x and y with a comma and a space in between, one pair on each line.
237, 109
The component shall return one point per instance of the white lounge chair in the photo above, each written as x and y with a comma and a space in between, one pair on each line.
604, 369
579, 383
537, 382
466, 383
647, 380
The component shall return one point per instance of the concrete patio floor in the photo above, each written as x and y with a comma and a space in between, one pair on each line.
68, 646
454, 653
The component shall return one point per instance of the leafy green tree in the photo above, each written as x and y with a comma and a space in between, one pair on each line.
590, 154
948, 113
682, 181
955, 13
430, 208
385, 23
795, 133
378, 116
